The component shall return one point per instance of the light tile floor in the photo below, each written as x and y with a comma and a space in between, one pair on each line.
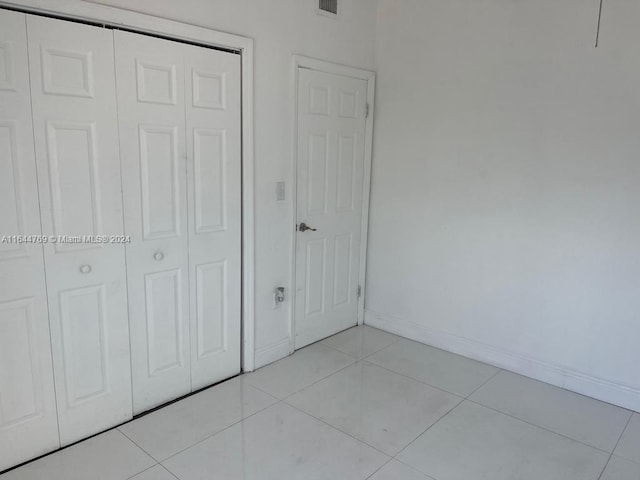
364, 404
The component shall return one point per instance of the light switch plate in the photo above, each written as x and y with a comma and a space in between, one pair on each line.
280, 191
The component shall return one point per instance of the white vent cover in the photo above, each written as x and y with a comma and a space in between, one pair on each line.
328, 6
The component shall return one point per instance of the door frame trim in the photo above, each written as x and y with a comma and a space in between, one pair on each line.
76, 10
309, 63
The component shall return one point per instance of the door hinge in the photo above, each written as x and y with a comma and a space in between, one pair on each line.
366, 110
359, 291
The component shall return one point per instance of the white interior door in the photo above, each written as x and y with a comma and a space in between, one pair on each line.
150, 79
215, 212
76, 138
330, 172
28, 422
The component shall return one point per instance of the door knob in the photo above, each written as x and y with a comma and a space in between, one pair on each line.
158, 256
303, 227
85, 269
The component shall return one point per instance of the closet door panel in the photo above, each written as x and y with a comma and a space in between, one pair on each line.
215, 209
28, 423
75, 124
150, 79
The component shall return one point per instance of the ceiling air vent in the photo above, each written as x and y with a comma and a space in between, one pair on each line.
328, 7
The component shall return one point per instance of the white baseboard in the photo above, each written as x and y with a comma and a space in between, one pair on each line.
270, 353
605, 390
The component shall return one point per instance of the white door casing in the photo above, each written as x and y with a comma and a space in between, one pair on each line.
214, 156
150, 80
76, 139
28, 420
331, 130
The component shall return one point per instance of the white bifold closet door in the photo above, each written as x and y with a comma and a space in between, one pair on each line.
28, 424
179, 109
76, 140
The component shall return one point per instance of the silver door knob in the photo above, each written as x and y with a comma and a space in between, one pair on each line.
158, 256
85, 269
303, 227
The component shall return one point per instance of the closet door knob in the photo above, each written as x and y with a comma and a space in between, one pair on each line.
85, 269
158, 256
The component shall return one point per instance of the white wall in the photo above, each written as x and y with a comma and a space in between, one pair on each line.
505, 215
280, 28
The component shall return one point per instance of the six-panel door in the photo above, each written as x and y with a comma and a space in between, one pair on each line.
330, 171
28, 425
76, 139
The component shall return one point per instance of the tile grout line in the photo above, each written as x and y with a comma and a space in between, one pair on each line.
380, 468
216, 433
359, 440
306, 386
353, 361
484, 383
536, 426
145, 470
140, 447
153, 466
616, 446
321, 379
393, 459
222, 430
321, 342
168, 471
429, 476
498, 369
263, 391
606, 464
439, 420
159, 462
624, 430
397, 340
422, 381
145, 452
628, 460
426, 430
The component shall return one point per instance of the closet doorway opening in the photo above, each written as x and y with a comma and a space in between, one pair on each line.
138, 128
